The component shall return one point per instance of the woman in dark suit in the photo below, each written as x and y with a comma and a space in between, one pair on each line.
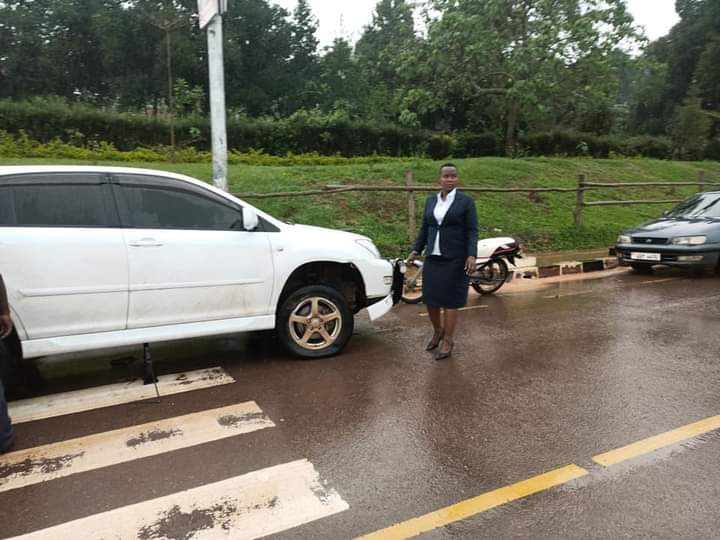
449, 236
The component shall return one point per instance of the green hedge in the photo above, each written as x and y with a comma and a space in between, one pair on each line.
306, 133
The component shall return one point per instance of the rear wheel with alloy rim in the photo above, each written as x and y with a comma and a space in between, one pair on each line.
314, 322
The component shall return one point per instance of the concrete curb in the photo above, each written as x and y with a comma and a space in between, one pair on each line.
526, 269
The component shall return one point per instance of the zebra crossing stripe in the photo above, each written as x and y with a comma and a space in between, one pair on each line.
43, 463
254, 505
114, 394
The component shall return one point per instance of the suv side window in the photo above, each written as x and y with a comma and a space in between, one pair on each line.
60, 200
160, 203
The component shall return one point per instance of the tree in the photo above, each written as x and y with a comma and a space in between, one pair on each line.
520, 55
303, 64
257, 53
690, 54
341, 84
690, 130
380, 50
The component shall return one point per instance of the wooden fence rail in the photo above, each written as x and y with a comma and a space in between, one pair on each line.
411, 188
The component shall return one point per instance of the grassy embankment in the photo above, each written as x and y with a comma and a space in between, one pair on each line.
543, 221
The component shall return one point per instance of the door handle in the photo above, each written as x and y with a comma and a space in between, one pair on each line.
147, 242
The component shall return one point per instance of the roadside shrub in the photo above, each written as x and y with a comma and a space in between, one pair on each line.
647, 146
440, 146
712, 150
477, 145
42, 126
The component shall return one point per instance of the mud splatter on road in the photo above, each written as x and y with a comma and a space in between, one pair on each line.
46, 465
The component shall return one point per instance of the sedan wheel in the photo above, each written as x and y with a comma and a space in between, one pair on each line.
315, 321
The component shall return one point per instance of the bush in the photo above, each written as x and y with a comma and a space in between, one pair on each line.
440, 146
45, 120
647, 146
477, 145
566, 143
712, 150
53, 128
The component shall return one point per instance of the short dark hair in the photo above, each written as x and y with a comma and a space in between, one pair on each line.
448, 164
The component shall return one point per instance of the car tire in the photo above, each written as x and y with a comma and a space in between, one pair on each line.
315, 322
642, 268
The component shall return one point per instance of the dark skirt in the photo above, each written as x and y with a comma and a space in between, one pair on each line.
445, 283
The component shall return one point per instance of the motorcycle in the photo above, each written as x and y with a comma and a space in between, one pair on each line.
491, 270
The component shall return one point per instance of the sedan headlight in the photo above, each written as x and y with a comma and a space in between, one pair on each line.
689, 240
623, 239
368, 245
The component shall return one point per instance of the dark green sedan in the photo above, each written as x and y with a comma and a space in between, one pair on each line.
687, 236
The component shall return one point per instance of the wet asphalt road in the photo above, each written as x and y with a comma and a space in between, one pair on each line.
539, 379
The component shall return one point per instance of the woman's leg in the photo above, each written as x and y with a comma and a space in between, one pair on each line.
451, 317
435, 315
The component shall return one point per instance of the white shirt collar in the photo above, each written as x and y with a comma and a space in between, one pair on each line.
449, 199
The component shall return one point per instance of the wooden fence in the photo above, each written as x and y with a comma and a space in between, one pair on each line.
411, 188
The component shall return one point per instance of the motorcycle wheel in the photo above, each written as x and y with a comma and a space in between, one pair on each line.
412, 284
490, 278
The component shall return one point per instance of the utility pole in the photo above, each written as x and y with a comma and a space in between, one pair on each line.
210, 12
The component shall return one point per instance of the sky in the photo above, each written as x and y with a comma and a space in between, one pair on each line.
346, 18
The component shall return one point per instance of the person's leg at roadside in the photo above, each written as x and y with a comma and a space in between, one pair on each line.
7, 435
436, 319
447, 342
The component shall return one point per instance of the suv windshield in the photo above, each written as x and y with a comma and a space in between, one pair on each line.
704, 205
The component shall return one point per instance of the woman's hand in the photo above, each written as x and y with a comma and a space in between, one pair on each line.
470, 265
411, 257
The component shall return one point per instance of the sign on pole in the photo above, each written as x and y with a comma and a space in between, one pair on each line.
207, 9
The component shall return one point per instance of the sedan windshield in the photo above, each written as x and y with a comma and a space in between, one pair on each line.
705, 205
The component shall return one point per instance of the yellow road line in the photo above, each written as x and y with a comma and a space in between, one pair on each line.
481, 503
658, 441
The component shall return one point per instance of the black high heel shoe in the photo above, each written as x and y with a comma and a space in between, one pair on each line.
433, 343
440, 355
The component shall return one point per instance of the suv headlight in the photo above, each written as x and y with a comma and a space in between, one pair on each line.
624, 239
368, 245
689, 240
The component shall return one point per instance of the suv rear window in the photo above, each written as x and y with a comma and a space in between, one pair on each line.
53, 200
59, 205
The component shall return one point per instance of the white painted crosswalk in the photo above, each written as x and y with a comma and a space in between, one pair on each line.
27, 410
44, 463
251, 505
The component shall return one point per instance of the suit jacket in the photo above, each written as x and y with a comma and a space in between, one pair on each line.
458, 232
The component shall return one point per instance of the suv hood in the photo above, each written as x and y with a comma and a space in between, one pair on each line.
311, 232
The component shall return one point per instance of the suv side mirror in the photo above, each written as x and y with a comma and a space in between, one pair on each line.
250, 219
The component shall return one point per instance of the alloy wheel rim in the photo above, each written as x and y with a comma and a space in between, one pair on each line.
315, 323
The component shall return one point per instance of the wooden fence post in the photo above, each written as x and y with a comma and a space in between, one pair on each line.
412, 223
580, 199
701, 181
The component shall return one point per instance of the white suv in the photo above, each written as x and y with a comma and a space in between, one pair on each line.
97, 257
